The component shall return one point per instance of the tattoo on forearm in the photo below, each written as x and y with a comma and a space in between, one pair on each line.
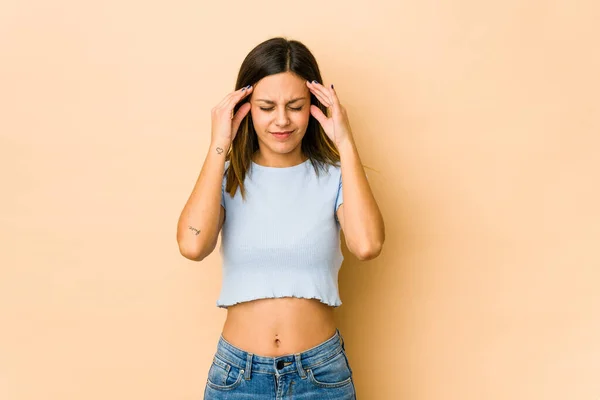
195, 230
219, 150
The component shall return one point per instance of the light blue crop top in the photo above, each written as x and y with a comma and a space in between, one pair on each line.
284, 239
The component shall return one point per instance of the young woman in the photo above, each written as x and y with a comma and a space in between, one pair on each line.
272, 183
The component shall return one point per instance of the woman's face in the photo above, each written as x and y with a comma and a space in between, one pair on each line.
280, 113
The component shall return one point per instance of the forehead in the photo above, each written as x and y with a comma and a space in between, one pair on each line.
280, 87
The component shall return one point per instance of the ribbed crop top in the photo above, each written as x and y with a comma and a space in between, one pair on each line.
283, 240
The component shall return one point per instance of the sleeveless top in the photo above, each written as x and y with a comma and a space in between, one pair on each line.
283, 240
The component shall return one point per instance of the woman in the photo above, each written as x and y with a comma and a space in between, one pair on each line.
272, 180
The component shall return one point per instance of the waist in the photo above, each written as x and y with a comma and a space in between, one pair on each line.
273, 327
280, 364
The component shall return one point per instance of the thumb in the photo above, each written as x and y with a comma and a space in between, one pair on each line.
239, 116
318, 114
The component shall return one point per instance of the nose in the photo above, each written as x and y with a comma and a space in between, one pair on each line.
281, 118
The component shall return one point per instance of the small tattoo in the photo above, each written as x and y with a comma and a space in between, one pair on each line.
195, 230
219, 150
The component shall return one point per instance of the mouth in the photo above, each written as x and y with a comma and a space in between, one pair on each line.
282, 135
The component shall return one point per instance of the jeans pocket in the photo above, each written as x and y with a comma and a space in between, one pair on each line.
333, 373
223, 375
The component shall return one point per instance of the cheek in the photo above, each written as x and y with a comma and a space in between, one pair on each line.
259, 121
301, 118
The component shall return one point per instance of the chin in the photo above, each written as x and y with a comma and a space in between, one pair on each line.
283, 149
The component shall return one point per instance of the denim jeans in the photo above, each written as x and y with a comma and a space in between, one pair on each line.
322, 372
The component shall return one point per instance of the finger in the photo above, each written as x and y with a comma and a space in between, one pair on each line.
239, 116
227, 98
317, 87
229, 108
238, 93
234, 101
318, 114
334, 96
321, 98
238, 96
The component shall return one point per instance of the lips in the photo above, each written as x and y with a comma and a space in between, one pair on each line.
282, 135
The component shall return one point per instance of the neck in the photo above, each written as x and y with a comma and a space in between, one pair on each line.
279, 160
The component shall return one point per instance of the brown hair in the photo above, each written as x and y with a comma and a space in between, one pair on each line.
272, 57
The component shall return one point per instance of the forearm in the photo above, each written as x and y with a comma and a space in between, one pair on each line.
363, 223
197, 228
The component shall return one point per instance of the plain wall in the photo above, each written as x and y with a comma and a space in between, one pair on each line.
481, 119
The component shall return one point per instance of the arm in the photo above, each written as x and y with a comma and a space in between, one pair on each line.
202, 217
359, 215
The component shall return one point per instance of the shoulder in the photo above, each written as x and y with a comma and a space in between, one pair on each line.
328, 169
333, 171
327, 175
227, 163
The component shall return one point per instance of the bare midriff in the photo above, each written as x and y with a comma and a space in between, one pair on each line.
279, 326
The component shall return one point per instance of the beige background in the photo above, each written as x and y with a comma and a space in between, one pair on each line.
481, 118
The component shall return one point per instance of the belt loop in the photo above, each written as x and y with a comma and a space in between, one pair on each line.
248, 366
341, 340
301, 371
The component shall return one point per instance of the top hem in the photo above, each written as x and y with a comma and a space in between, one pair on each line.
226, 305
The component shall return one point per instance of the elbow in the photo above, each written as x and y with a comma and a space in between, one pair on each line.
369, 252
192, 253
370, 244
194, 249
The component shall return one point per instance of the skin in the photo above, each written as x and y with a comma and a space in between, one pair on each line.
281, 326
280, 103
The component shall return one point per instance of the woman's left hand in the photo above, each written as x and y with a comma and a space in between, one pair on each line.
336, 127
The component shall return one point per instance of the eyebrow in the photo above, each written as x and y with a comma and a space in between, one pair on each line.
289, 102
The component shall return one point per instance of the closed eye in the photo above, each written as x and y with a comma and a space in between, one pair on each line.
272, 108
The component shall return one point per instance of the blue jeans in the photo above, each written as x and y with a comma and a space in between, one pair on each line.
322, 372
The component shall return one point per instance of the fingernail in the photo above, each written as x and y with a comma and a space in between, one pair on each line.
249, 86
244, 88
314, 81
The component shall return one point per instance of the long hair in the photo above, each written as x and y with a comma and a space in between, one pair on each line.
272, 57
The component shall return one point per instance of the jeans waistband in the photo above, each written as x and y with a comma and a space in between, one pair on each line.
282, 364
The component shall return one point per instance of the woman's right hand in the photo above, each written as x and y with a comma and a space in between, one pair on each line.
224, 123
